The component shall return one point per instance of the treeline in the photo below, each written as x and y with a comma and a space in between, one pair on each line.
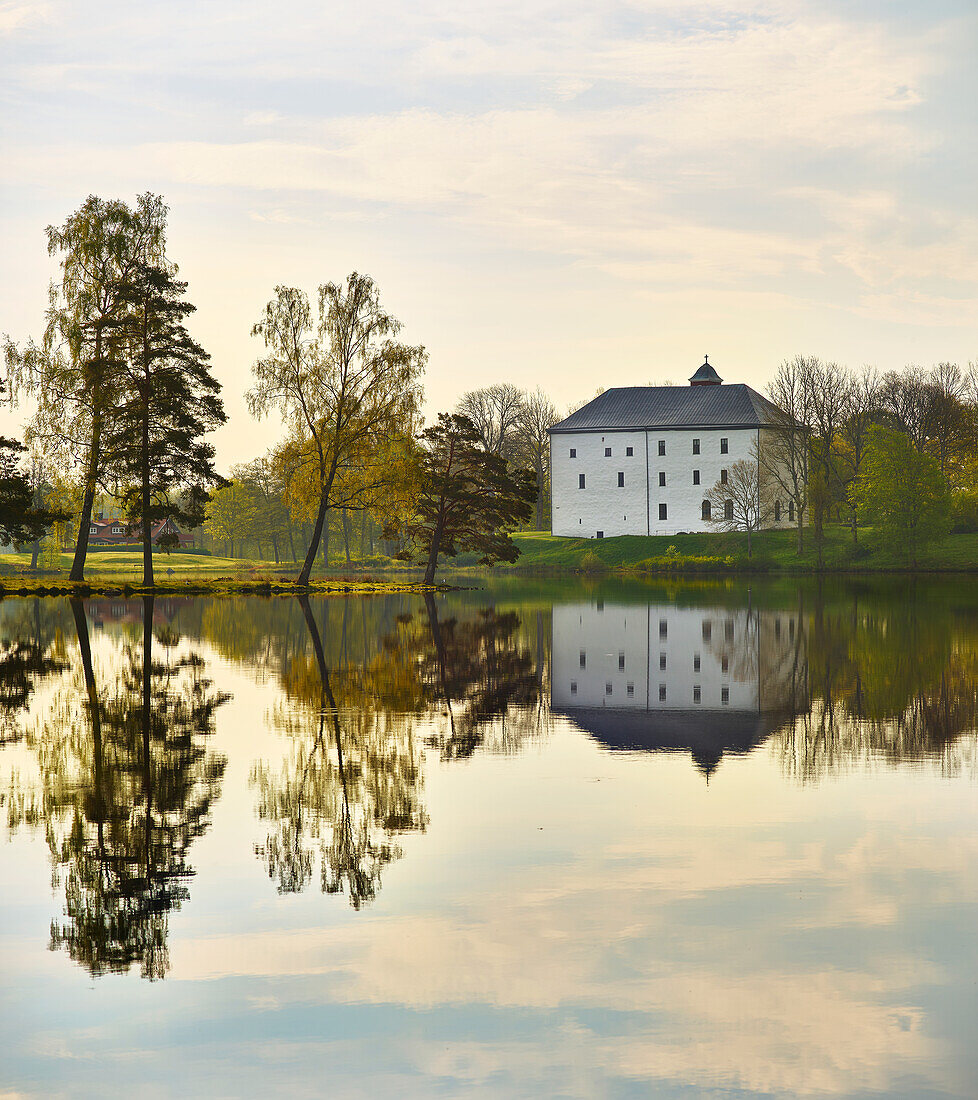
125, 399
895, 450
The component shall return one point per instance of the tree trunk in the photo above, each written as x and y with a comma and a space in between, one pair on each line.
35, 550
144, 503
429, 573
275, 547
801, 532
88, 501
346, 535
749, 553
292, 542
317, 533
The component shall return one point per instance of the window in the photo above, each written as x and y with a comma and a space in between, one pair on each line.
791, 511
573, 687
583, 658
663, 628
723, 477
662, 693
580, 481
705, 512
696, 662
630, 688
725, 695
116, 530
663, 513
621, 662
573, 452
728, 509
601, 534
707, 630
607, 452
621, 479
662, 447
696, 446
607, 687
92, 529
662, 479
662, 662
723, 444
696, 693
629, 451
777, 511
724, 663
696, 477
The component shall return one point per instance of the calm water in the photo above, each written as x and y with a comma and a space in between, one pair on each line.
571, 840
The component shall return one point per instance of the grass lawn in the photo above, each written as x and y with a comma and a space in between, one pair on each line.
772, 550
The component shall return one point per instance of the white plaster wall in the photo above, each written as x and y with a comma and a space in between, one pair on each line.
603, 506
729, 657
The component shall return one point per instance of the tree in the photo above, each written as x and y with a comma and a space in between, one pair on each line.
343, 385
23, 517
169, 400
864, 400
73, 375
229, 514
902, 492
784, 450
742, 502
497, 412
538, 415
466, 498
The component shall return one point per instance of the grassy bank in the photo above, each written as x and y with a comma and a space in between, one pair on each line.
116, 572
773, 551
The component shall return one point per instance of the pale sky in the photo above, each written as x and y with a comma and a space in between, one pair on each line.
549, 193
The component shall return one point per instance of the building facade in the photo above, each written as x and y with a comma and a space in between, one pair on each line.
115, 532
641, 460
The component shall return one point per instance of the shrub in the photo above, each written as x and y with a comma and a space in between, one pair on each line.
591, 563
964, 511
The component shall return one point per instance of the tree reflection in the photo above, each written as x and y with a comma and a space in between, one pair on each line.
889, 680
126, 785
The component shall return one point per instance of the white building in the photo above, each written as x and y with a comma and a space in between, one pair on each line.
640, 460
706, 680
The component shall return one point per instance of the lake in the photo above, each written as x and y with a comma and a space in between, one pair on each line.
588, 838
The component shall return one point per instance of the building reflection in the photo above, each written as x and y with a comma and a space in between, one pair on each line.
706, 680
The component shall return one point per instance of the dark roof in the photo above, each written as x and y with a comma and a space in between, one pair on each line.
736, 406
706, 735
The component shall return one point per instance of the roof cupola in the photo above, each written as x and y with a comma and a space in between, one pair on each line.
706, 375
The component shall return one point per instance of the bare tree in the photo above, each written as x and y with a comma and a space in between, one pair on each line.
864, 403
831, 399
496, 411
742, 502
905, 402
538, 415
784, 449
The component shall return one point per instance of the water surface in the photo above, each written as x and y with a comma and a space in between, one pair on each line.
571, 839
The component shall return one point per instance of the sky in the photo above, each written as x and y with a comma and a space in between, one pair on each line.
556, 194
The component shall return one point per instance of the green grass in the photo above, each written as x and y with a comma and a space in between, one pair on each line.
773, 550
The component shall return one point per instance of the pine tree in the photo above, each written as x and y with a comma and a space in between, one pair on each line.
170, 400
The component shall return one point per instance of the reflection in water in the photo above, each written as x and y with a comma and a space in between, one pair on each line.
125, 785
658, 676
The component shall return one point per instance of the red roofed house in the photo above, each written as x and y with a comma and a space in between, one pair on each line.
113, 532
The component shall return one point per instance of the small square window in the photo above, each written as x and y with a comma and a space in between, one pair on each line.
725, 695
607, 687
662, 693
662, 447
621, 479
663, 513
723, 444
573, 453
630, 688
629, 451
696, 446
696, 693
662, 477
601, 534
607, 452
580, 481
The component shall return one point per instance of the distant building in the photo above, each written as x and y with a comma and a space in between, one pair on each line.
704, 680
114, 532
641, 460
